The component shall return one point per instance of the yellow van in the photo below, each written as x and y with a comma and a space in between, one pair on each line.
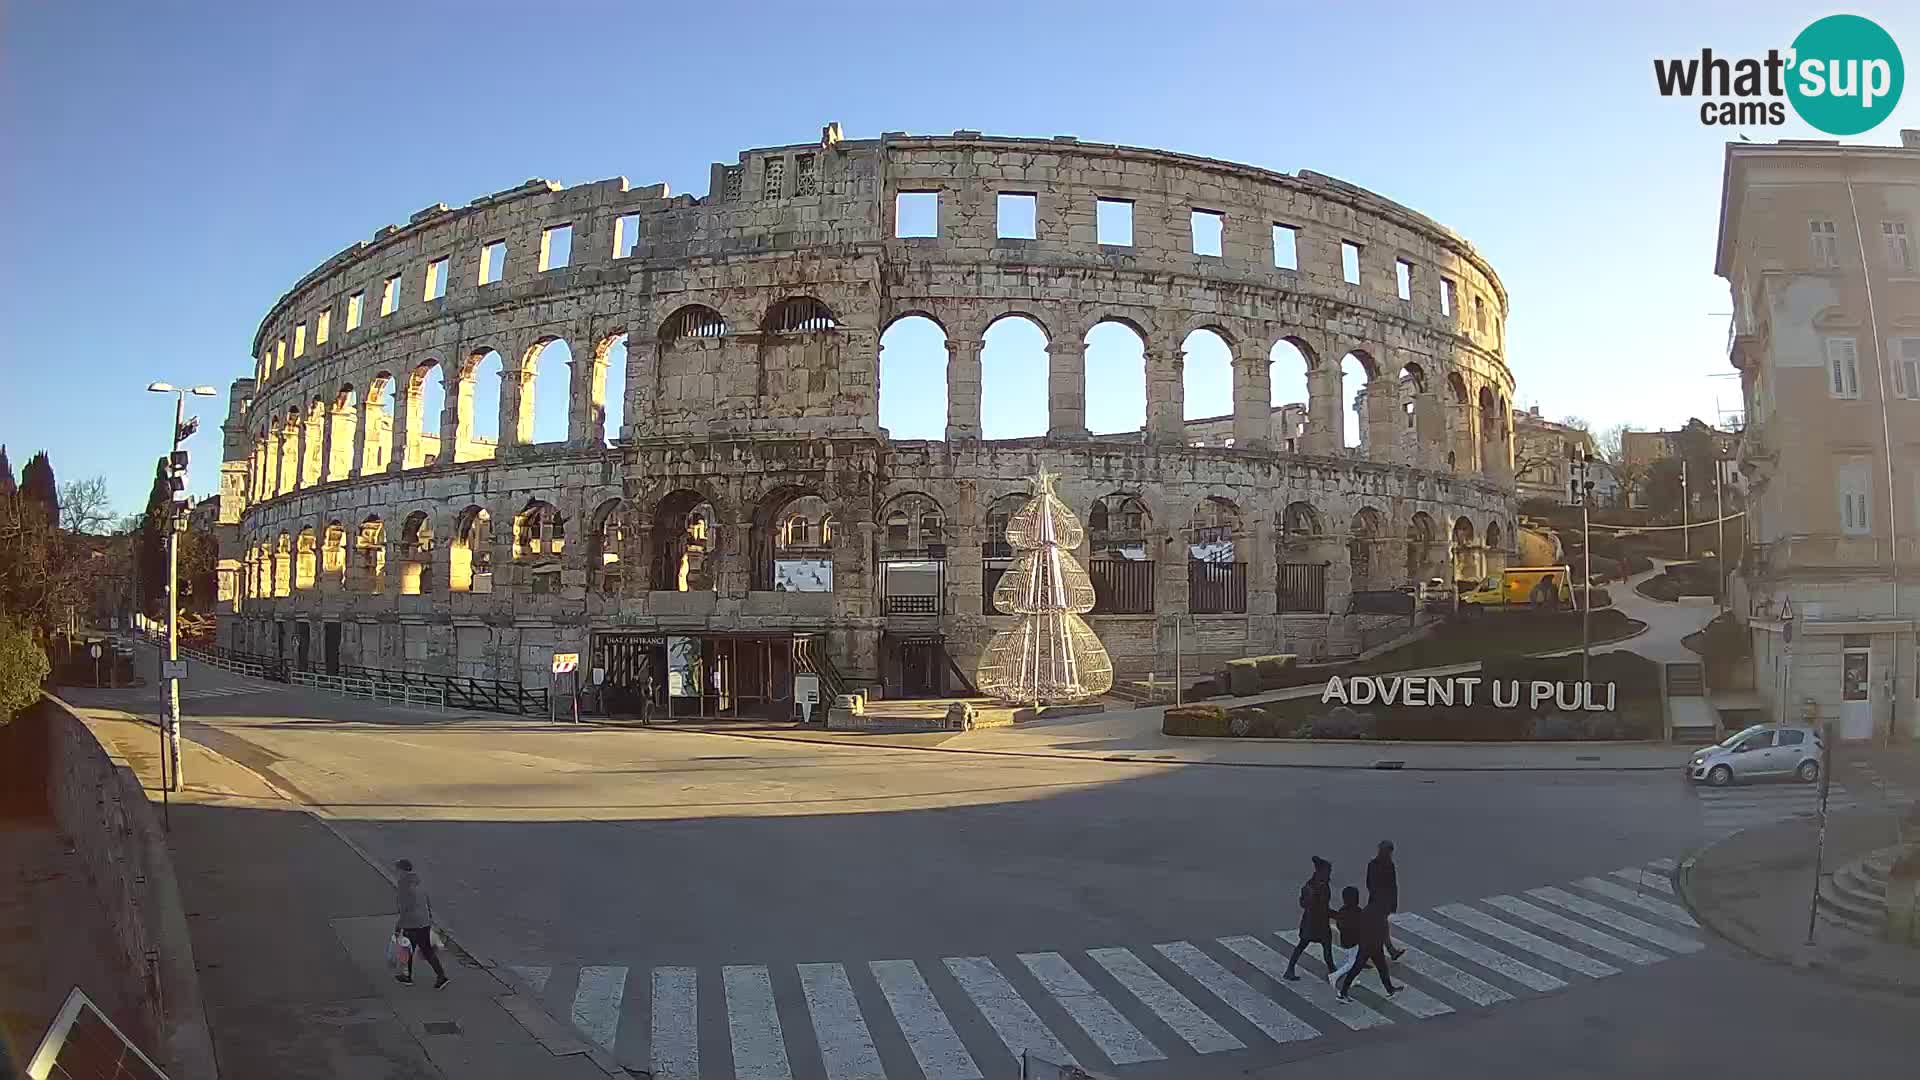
1544, 587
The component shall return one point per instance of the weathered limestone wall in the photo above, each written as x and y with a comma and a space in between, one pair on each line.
752, 320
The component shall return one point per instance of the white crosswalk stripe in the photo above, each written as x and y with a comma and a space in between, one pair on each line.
1531, 977
1662, 864
596, 1003
1626, 924
1409, 1000
1012, 1018
1732, 808
1666, 909
1580, 932
930, 1035
1174, 1010
753, 1022
1645, 880
1120, 1005
1279, 1025
676, 1014
1111, 1032
846, 1046
1274, 966
1476, 919
223, 691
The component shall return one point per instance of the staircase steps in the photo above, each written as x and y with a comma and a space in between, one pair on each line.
1854, 897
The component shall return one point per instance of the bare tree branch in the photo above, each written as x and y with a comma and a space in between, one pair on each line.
85, 507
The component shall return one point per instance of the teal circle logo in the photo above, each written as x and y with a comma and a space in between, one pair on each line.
1846, 75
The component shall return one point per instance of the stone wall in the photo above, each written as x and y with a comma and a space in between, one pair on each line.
752, 320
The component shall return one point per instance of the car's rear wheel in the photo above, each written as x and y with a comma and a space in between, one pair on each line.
1808, 772
1720, 776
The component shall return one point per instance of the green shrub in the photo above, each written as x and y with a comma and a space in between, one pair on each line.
1196, 720
23, 667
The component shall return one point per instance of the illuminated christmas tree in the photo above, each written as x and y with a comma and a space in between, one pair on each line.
1051, 656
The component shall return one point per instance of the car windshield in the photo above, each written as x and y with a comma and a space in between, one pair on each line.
1738, 735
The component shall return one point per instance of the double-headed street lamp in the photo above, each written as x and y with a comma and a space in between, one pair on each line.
177, 479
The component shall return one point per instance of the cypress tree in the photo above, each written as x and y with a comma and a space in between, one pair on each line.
7, 486
37, 484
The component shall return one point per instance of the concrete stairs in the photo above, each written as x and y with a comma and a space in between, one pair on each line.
1854, 897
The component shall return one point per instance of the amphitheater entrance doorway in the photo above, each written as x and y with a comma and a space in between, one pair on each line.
657, 678
330, 648
302, 643
914, 665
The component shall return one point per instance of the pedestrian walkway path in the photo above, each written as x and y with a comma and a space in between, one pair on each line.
225, 691
970, 1017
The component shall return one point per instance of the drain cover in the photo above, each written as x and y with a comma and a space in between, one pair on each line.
1586, 757
442, 1027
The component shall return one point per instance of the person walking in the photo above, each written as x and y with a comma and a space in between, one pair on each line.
415, 920
1364, 929
1316, 916
1383, 893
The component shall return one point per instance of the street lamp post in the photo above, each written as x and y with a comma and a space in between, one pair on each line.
170, 701
1581, 463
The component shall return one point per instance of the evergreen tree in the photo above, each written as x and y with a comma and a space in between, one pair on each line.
37, 485
7, 486
150, 552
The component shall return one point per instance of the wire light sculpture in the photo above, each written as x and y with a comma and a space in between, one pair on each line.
1050, 656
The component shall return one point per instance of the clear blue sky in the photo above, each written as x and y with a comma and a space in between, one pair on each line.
171, 169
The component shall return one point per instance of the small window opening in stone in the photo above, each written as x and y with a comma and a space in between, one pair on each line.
436, 279
802, 314
805, 180
1350, 262
556, 247
1018, 216
390, 295
626, 233
916, 213
322, 327
694, 321
1403, 278
1446, 296
1480, 313
493, 262
730, 180
279, 353
1208, 228
356, 309
1113, 222
300, 341
773, 174
1286, 247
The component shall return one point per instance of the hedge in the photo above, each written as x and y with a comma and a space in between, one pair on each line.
23, 667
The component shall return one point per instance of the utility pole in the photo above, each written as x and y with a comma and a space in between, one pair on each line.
1686, 518
1720, 515
176, 525
1580, 464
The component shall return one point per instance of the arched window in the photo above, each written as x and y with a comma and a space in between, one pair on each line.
693, 321
606, 540
372, 546
333, 554
1361, 539
283, 566
683, 539
470, 558
539, 535
416, 554
799, 315
789, 568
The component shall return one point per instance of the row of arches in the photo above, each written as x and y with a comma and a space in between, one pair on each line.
794, 540
396, 422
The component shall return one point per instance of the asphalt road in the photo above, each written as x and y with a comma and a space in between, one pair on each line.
628, 873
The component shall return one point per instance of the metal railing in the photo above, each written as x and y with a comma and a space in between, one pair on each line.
1303, 588
910, 604
1122, 586
1216, 588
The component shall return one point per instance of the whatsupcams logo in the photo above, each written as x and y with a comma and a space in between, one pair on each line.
1842, 75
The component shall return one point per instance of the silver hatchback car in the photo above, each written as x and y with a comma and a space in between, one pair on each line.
1761, 751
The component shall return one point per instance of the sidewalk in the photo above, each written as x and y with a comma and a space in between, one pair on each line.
289, 926
1755, 889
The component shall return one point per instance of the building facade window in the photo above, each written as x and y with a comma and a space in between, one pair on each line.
1855, 484
1826, 244
1899, 251
804, 178
1843, 367
1446, 296
1905, 353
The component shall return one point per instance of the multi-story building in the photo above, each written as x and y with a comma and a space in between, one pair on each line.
1639, 450
1542, 451
1815, 240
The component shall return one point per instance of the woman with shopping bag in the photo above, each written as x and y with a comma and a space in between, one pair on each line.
413, 926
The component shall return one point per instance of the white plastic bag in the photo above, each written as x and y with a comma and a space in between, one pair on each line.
399, 953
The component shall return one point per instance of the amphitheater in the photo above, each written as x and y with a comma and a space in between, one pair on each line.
749, 515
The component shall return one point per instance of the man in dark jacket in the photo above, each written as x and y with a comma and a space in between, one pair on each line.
1316, 915
415, 920
1383, 893
1364, 929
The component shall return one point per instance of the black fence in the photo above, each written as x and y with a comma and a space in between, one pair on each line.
1124, 586
910, 604
1216, 588
1303, 588
452, 691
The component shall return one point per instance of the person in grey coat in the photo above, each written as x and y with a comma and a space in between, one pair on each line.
415, 920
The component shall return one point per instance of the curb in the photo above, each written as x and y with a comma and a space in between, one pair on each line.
1683, 885
520, 991
1144, 757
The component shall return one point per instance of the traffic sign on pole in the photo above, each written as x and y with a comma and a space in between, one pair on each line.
564, 662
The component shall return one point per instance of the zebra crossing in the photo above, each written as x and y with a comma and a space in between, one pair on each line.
222, 691
972, 1017
1730, 809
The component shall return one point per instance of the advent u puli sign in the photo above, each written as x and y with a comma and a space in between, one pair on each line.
1465, 690
1843, 75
